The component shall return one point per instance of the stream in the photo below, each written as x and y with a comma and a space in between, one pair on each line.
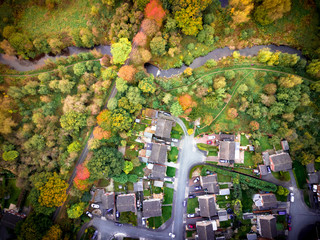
27, 65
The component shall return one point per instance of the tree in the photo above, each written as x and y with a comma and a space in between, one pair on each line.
54, 233
158, 46
79, 69
7, 48
74, 147
257, 158
109, 74
270, 88
241, 10
185, 101
140, 39
99, 133
104, 119
229, 74
314, 68
121, 120
76, 210
150, 27
56, 45
128, 167
106, 162
82, 172
41, 44
53, 193
36, 142
306, 158
242, 89
254, 125
147, 85
127, 73
211, 63
271, 10
176, 109
87, 37
122, 178
132, 178
290, 81
155, 11
10, 155
21, 43
232, 113
73, 121
264, 55
219, 82
120, 51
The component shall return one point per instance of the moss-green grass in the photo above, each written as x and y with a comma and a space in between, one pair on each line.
166, 213
173, 154
171, 171
282, 176
168, 195
244, 141
264, 143
192, 204
248, 159
300, 173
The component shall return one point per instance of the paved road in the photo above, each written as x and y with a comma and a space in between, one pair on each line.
302, 215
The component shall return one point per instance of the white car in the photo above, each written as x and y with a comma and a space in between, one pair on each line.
291, 197
191, 215
89, 214
95, 205
172, 235
196, 180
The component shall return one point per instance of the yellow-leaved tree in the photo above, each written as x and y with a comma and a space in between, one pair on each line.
241, 10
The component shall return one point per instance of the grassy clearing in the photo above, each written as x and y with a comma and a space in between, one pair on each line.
282, 176
211, 153
146, 193
171, 171
264, 141
248, 159
244, 141
168, 195
177, 132
192, 204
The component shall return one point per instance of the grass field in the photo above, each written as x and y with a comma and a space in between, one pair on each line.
166, 213
223, 178
264, 141
244, 141
248, 159
192, 204
173, 154
168, 195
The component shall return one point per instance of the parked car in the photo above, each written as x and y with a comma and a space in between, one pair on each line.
197, 179
223, 161
197, 188
211, 137
191, 226
208, 172
95, 205
191, 215
192, 196
174, 140
289, 228
209, 142
117, 214
110, 210
167, 114
172, 235
185, 203
89, 214
291, 197
143, 221
289, 219
118, 224
268, 169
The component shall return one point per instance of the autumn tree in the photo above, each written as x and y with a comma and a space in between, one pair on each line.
232, 113
271, 10
149, 27
254, 125
53, 193
270, 88
314, 68
155, 11
127, 73
241, 10
120, 51
290, 81
219, 82
104, 119
185, 101
140, 39
54, 233
147, 84
76, 210
74, 147
128, 167
176, 109
100, 134
158, 46
82, 172
73, 121
306, 158
121, 120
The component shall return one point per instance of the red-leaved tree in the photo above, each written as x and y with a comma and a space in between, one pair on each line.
82, 172
155, 11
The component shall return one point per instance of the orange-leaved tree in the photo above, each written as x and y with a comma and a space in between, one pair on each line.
100, 134
127, 73
185, 101
155, 11
140, 39
53, 193
81, 179
104, 119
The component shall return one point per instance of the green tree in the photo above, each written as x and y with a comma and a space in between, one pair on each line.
158, 46
106, 162
86, 37
290, 81
132, 178
176, 109
147, 85
10, 155
120, 51
219, 82
271, 10
264, 55
36, 142
121, 120
229, 74
122, 178
306, 158
76, 210
73, 121
121, 85
112, 104
314, 68
128, 167
79, 69
74, 147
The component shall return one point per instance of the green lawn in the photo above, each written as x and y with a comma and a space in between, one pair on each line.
156, 190
128, 217
300, 173
248, 159
213, 153
168, 195
139, 170
139, 127
192, 204
171, 171
223, 186
223, 178
282, 176
155, 222
166, 213
246, 171
264, 141
173, 154
244, 141
14, 192
146, 193
177, 132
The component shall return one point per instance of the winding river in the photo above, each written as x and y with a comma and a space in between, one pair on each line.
26, 65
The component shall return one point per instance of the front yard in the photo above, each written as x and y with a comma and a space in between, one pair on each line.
192, 204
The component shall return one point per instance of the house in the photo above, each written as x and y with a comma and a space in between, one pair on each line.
263, 170
158, 171
229, 150
246, 216
267, 226
210, 183
164, 127
224, 192
205, 230
265, 201
226, 137
152, 208
126, 203
158, 153
313, 178
310, 167
280, 162
11, 218
265, 158
138, 186
150, 113
207, 205
252, 236
107, 200
285, 145
223, 215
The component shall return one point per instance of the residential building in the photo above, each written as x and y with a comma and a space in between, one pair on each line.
246, 216
313, 178
223, 215
265, 158
267, 226
150, 113
10, 219
226, 137
205, 230
126, 203
210, 183
152, 208
252, 236
229, 150
263, 170
285, 145
107, 200
158, 153
265, 201
207, 205
224, 192
138, 186
164, 127
280, 162
158, 171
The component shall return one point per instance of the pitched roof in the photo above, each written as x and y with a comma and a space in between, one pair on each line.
205, 230
252, 236
152, 208
267, 226
223, 215
285, 145
268, 201
210, 183
158, 153
126, 202
225, 191
107, 200
138, 186
150, 113
10, 220
313, 178
164, 127
97, 195
247, 216
207, 206
158, 171
310, 167
281, 162
227, 150
226, 137
263, 169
